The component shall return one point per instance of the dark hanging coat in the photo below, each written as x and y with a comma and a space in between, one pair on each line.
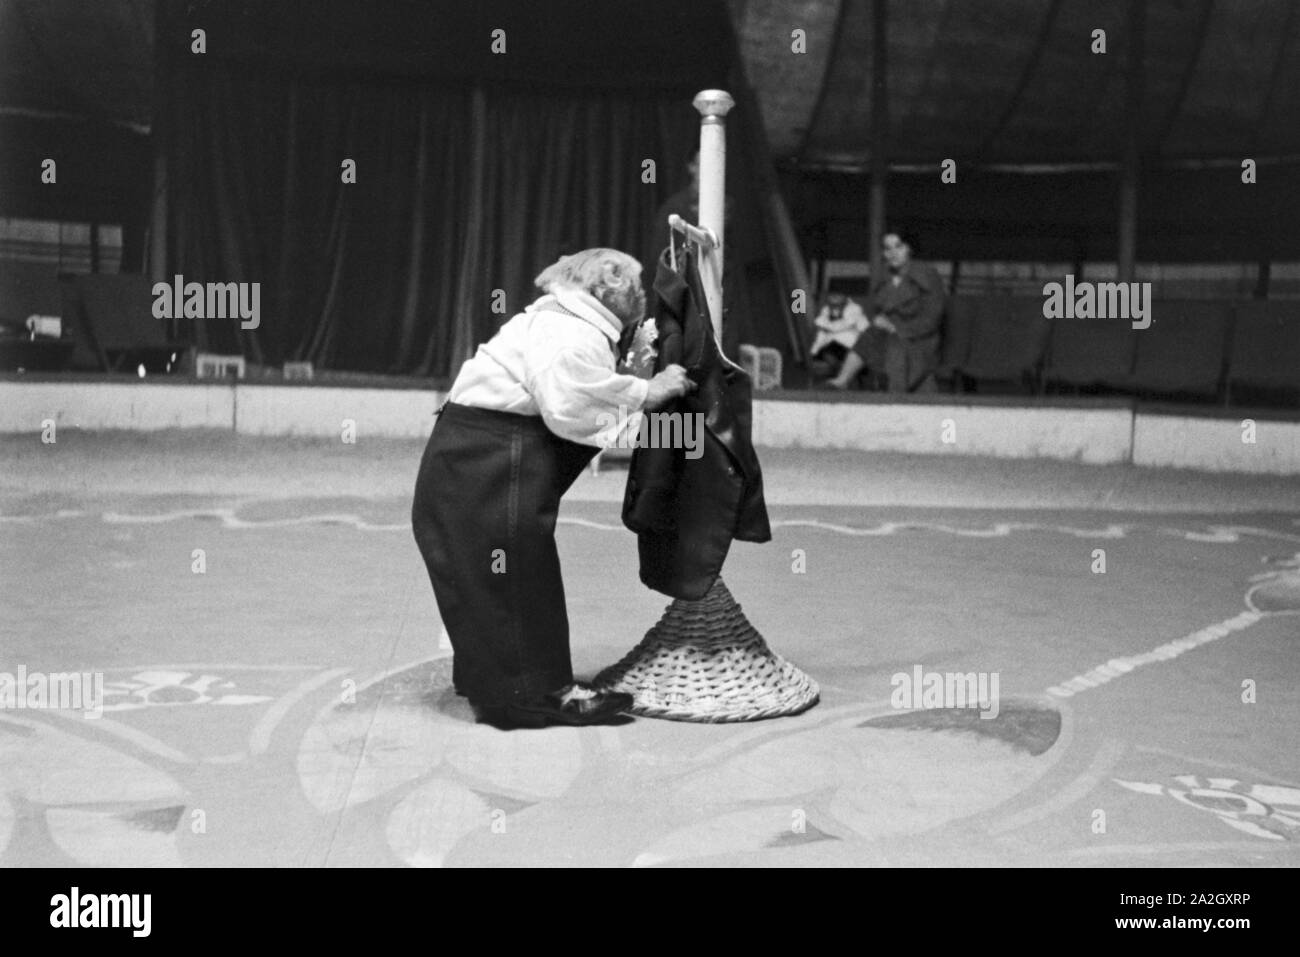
687, 511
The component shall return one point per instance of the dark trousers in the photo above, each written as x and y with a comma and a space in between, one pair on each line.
486, 501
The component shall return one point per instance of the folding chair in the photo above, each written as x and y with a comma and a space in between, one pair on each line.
1084, 353
958, 330
1010, 337
1183, 352
1265, 352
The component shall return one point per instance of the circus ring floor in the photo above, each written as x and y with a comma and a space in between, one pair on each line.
290, 704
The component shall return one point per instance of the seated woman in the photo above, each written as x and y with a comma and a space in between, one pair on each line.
837, 325
524, 417
906, 309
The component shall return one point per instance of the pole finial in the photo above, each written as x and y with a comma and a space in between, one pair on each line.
713, 102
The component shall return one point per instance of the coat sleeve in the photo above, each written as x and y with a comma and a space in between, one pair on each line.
922, 315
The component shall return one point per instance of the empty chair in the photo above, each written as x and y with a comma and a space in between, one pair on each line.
958, 329
1265, 351
1008, 342
1183, 352
1084, 353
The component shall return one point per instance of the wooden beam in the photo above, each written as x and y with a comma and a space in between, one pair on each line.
1128, 184
1262, 278
879, 134
164, 84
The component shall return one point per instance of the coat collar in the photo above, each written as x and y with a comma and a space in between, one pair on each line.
584, 306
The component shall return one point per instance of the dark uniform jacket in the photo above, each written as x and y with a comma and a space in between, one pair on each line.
735, 291
687, 511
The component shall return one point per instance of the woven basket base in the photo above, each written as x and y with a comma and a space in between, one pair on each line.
703, 661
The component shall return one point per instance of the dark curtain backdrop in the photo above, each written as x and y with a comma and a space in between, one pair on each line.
461, 190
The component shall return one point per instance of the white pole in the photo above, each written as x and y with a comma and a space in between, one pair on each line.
713, 106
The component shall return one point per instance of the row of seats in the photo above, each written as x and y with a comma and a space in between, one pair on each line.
1192, 348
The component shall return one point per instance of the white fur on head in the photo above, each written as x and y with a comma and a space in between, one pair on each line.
612, 277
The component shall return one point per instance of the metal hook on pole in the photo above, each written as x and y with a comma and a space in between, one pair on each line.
703, 237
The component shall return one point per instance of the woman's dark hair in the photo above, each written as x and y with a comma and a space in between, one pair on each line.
906, 235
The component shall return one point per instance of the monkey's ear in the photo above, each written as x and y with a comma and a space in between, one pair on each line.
613, 275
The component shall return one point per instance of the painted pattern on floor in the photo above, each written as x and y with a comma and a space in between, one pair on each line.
374, 761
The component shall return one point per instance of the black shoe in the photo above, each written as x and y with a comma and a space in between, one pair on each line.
574, 704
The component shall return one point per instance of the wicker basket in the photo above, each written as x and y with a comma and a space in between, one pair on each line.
763, 365
703, 661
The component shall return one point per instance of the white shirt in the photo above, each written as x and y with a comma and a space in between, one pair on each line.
556, 359
843, 330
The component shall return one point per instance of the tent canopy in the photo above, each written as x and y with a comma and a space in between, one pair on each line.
993, 84
1016, 82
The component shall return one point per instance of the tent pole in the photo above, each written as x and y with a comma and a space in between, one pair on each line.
704, 661
713, 106
164, 83
879, 135
1128, 184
